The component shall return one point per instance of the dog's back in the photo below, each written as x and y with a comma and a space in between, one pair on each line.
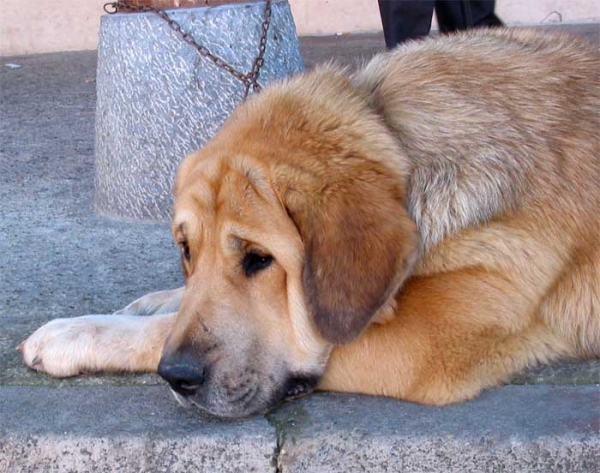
501, 128
512, 113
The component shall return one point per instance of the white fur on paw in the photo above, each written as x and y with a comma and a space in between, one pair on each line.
61, 347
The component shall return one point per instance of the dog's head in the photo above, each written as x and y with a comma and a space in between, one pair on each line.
293, 235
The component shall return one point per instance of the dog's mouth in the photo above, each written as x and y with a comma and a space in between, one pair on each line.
296, 386
299, 386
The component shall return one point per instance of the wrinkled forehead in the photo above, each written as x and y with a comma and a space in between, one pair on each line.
233, 189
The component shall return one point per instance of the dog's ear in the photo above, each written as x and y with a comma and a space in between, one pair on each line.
360, 245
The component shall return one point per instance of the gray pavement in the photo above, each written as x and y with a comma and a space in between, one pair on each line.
512, 429
124, 429
58, 259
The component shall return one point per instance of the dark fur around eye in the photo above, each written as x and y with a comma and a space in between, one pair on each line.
255, 262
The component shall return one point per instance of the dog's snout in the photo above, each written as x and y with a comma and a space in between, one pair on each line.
185, 376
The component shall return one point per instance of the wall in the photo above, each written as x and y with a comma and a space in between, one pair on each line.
69, 25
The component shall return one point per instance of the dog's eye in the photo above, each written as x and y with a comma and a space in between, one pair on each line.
255, 262
185, 250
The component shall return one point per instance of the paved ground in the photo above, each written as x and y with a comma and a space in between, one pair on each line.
58, 259
513, 429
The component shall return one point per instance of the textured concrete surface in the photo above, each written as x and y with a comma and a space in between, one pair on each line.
59, 259
513, 429
123, 429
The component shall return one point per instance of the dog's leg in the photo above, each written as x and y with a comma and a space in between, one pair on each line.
98, 343
121, 342
453, 335
161, 302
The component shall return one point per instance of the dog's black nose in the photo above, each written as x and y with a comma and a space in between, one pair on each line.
184, 375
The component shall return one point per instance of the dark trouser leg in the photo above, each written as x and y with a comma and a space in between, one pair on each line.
403, 20
455, 15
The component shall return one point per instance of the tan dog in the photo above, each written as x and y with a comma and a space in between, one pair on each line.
422, 229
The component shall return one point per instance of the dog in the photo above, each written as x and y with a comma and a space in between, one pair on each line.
423, 228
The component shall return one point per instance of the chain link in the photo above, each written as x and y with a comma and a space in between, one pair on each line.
249, 79
260, 58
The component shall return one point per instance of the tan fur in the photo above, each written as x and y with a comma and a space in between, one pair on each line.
433, 219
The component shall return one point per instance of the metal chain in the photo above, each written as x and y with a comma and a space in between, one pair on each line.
260, 58
250, 79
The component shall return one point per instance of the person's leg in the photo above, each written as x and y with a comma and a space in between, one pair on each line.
403, 20
456, 15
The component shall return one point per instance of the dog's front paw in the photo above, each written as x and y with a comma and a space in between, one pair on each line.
61, 347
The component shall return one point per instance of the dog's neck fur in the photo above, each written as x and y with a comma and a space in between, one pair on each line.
458, 188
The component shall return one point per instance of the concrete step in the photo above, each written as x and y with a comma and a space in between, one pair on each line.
537, 428
125, 429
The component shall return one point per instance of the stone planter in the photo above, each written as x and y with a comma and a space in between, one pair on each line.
159, 100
